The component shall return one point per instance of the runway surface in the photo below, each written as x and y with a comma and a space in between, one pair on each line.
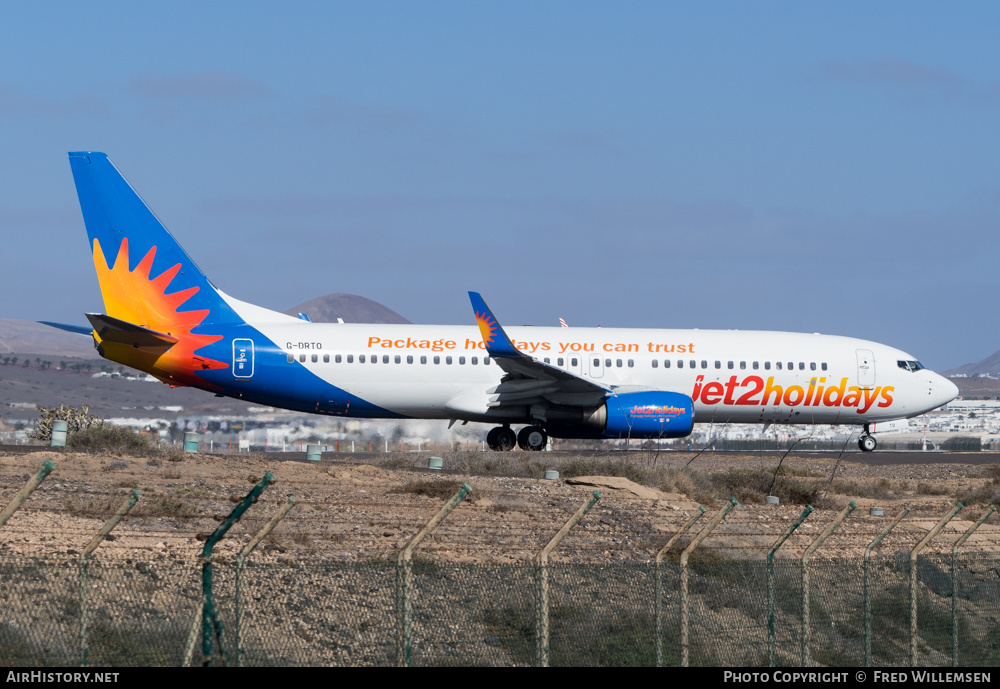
877, 458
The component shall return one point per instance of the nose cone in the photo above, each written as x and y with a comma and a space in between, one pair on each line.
943, 390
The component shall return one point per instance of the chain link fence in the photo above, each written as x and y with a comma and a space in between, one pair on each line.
147, 613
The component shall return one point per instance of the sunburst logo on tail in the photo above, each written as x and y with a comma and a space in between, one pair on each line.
137, 298
487, 326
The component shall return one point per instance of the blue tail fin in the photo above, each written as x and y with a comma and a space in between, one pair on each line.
146, 277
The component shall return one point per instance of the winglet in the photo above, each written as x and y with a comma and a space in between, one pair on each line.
497, 343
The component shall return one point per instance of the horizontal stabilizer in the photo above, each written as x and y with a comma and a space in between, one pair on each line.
114, 330
78, 329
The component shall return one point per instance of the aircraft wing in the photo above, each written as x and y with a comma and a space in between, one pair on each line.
528, 380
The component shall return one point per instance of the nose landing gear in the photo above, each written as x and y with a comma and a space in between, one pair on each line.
867, 442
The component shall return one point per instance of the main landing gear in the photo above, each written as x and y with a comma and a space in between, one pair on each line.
501, 439
867, 442
531, 438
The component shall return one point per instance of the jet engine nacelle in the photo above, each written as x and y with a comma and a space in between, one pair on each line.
652, 414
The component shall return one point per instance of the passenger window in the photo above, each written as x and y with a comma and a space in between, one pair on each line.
546, 360
704, 364
291, 358
597, 363
315, 358
447, 360
398, 359
475, 360
607, 362
802, 366
756, 366
302, 358
631, 363
767, 365
375, 358
743, 364
326, 358
823, 365
409, 358
778, 365
693, 363
385, 358
350, 358
718, 364
618, 363
337, 359
680, 363
573, 361
812, 366
423, 360
791, 365
437, 360
666, 363
486, 361
655, 363
730, 366
461, 360
559, 361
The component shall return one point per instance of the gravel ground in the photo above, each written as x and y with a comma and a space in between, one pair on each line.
349, 510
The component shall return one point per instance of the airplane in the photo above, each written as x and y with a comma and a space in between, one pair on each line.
165, 317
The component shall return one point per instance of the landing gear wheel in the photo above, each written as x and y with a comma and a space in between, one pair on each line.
532, 438
505, 439
491, 438
867, 443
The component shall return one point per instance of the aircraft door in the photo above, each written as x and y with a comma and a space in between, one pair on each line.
866, 369
243, 359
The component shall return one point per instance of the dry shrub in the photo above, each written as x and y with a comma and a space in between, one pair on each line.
442, 490
121, 441
164, 506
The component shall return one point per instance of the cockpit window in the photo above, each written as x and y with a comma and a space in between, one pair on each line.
910, 365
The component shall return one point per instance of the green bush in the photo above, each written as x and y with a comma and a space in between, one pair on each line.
76, 420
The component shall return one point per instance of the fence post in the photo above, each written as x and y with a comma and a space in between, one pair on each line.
913, 577
954, 583
404, 580
805, 576
25, 491
241, 560
542, 582
658, 583
770, 581
85, 567
868, 587
695, 542
209, 614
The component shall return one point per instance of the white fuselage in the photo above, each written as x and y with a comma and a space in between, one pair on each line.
423, 371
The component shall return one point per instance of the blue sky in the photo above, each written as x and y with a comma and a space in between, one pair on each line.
830, 167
